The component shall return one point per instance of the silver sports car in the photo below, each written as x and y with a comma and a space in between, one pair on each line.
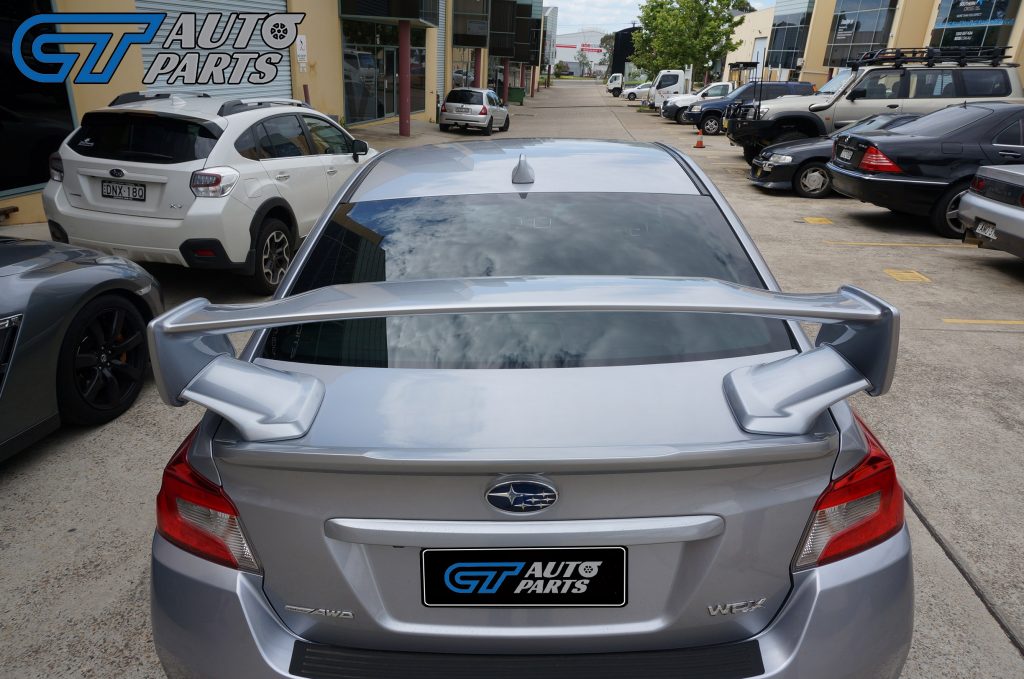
72, 337
506, 418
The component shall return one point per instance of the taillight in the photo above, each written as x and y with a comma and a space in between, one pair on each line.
198, 516
56, 167
483, 110
213, 182
443, 109
978, 184
876, 161
857, 511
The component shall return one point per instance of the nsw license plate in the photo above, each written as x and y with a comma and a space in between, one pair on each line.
563, 577
462, 109
725, 124
986, 229
846, 154
123, 190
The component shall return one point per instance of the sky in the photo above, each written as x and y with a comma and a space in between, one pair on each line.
604, 15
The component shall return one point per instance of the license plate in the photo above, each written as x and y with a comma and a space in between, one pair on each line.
462, 109
846, 154
564, 577
986, 229
725, 124
123, 190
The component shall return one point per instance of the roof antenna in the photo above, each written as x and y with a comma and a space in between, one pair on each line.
523, 174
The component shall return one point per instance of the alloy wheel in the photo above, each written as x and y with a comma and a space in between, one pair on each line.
277, 255
953, 213
813, 180
110, 359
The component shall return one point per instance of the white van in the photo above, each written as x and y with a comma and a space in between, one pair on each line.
668, 84
712, 91
615, 84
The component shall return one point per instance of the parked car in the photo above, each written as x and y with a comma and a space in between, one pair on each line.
707, 115
448, 418
925, 166
476, 108
614, 84
800, 165
637, 91
670, 108
667, 84
886, 81
992, 211
203, 182
72, 337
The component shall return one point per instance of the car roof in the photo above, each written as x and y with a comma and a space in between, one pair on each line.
207, 107
470, 89
559, 166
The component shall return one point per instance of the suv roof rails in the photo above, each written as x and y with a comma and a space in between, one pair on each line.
239, 105
130, 97
929, 56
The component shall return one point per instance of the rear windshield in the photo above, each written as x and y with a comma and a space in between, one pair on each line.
142, 138
536, 234
944, 121
465, 97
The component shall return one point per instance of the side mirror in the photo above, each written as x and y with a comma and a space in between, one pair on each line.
704, 95
359, 148
501, 102
856, 94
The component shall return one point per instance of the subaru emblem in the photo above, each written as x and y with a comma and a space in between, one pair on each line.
117, 172
519, 496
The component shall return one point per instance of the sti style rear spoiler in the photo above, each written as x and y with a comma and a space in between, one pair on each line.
855, 350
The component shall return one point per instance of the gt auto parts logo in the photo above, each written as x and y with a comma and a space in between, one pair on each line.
217, 50
541, 577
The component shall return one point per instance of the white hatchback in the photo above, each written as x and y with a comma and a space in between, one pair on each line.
204, 182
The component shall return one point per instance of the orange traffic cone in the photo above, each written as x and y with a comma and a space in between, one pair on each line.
700, 140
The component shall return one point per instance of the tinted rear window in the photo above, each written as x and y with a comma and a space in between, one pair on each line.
944, 121
539, 234
142, 138
465, 97
985, 82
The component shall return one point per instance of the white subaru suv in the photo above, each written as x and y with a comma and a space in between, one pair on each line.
204, 182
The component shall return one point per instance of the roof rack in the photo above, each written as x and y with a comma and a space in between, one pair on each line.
131, 97
929, 56
239, 105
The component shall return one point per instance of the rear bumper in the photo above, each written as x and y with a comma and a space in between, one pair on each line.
847, 620
466, 120
912, 196
1009, 221
150, 239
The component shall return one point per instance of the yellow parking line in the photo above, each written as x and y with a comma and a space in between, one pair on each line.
977, 321
907, 275
817, 220
898, 245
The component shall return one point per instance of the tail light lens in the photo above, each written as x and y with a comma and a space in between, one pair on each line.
443, 109
483, 110
978, 184
213, 182
876, 161
857, 511
56, 167
199, 517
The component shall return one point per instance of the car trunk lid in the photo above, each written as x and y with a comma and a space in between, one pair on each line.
134, 163
647, 459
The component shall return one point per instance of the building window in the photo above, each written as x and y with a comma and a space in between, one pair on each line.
370, 70
858, 26
470, 22
974, 23
34, 117
789, 33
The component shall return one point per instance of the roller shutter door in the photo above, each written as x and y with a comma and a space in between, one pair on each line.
442, 31
281, 85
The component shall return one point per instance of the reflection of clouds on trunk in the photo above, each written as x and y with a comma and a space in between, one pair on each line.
541, 234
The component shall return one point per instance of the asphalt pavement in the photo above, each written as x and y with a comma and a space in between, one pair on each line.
77, 510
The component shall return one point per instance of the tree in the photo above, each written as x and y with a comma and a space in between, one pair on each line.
584, 61
608, 45
744, 6
677, 33
561, 68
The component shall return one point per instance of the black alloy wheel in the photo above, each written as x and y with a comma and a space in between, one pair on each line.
489, 127
102, 361
751, 152
274, 251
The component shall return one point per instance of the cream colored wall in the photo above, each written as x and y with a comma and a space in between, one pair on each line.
85, 98
755, 25
322, 28
814, 69
913, 22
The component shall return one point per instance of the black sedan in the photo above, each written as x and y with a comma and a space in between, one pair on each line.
72, 337
800, 165
925, 166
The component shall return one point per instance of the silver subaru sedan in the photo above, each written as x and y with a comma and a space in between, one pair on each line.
505, 419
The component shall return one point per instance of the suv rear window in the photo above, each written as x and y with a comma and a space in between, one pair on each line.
538, 234
985, 82
464, 97
143, 138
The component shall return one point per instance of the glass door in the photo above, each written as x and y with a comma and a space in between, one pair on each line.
387, 81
